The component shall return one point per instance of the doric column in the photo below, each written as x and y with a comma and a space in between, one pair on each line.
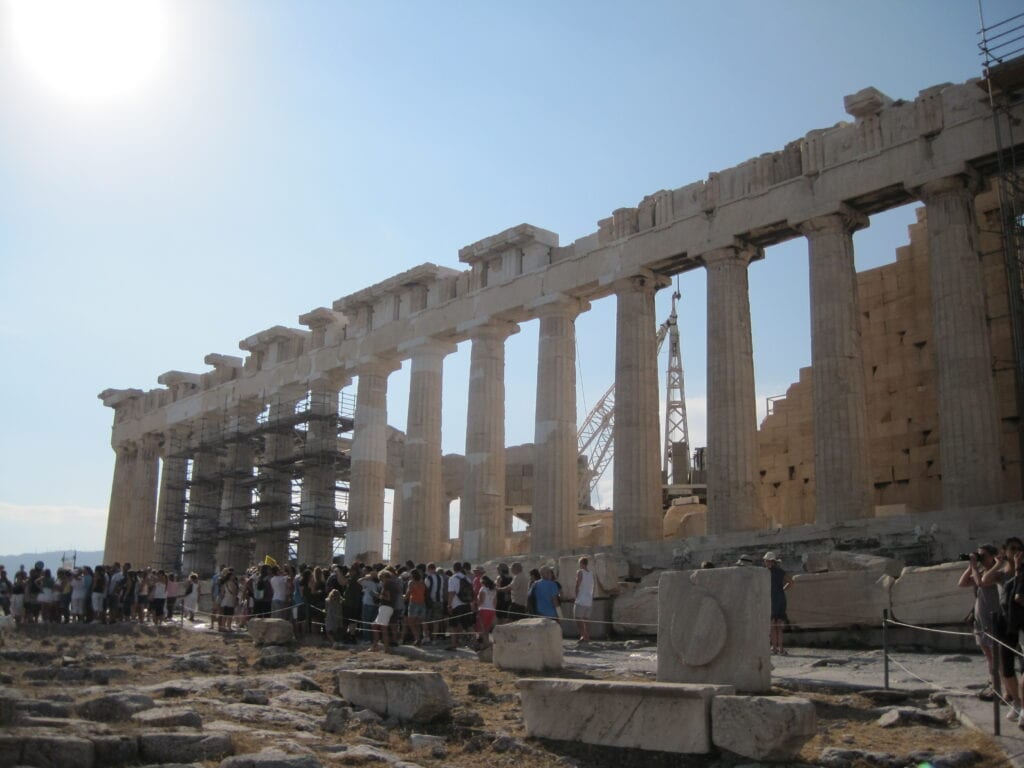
968, 418
234, 529
273, 519
732, 417
842, 468
555, 483
421, 525
120, 506
318, 511
170, 508
636, 495
482, 511
364, 539
203, 501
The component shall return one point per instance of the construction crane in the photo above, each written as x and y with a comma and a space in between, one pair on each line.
594, 437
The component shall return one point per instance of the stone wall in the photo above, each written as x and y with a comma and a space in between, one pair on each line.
902, 398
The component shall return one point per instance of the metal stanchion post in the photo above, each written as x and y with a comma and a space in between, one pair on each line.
997, 683
885, 648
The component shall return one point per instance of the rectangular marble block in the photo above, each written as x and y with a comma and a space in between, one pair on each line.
713, 627
662, 717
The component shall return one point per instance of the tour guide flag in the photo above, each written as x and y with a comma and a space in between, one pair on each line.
268, 560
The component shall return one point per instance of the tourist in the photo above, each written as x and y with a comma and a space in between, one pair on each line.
352, 603
173, 591
986, 606
229, 595
546, 594
18, 588
504, 598
518, 591
584, 603
79, 594
262, 593
98, 594
279, 591
48, 598
5, 592
385, 596
780, 582
317, 598
158, 597
370, 584
416, 606
460, 606
744, 560
334, 622
1007, 575
531, 604
63, 590
486, 600
193, 591
437, 603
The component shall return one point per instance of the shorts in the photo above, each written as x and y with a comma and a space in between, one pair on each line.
416, 611
97, 602
156, 605
227, 610
435, 612
383, 616
462, 616
582, 612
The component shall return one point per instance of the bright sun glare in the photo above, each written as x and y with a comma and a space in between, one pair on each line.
90, 50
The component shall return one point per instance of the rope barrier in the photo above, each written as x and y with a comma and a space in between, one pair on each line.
929, 629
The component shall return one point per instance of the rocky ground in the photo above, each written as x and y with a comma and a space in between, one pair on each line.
131, 695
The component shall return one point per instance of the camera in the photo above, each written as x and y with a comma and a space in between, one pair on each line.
963, 556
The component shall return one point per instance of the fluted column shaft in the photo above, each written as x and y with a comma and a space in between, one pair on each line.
422, 525
318, 511
275, 486
234, 531
364, 539
968, 416
637, 474
842, 468
555, 485
132, 520
170, 509
482, 511
732, 417
120, 508
203, 513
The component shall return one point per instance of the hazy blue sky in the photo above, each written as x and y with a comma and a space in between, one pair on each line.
281, 155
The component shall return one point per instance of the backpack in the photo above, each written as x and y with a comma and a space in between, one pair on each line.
465, 593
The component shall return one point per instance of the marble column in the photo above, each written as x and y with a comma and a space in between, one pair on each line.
969, 446
733, 503
273, 519
120, 508
842, 464
482, 511
318, 511
170, 508
636, 496
364, 539
234, 528
555, 482
203, 504
420, 526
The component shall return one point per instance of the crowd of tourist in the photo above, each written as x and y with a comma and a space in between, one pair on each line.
383, 604
997, 577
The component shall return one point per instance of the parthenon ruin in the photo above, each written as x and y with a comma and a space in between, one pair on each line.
271, 454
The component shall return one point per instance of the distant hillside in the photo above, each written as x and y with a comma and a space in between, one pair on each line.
51, 560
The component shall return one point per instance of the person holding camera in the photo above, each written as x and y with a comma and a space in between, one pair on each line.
986, 606
1008, 574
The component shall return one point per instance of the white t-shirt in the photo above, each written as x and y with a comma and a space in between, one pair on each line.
585, 594
453, 589
279, 585
487, 597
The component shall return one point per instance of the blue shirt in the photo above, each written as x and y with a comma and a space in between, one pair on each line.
544, 593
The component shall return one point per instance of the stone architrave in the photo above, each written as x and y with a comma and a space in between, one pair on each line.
968, 413
636, 494
732, 417
482, 511
661, 717
553, 525
317, 508
364, 539
712, 627
842, 465
234, 531
421, 524
170, 508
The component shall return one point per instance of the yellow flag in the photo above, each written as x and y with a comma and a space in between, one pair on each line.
268, 560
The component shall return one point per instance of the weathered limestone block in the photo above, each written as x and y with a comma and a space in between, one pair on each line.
820, 562
163, 747
711, 627
166, 717
566, 572
930, 595
608, 570
636, 612
762, 727
838, 599
115, 707
420, 697
57, 750
653, 716
528, 645
271, 631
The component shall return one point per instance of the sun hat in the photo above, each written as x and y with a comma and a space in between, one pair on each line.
769, 555
745, 560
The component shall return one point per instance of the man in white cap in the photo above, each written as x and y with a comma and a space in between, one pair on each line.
780, 583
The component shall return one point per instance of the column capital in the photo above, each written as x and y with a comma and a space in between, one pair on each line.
427, 345
558, 305
965, 181
334, 379
372, 365
843, 219
489, 329
638, 282
737, 252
